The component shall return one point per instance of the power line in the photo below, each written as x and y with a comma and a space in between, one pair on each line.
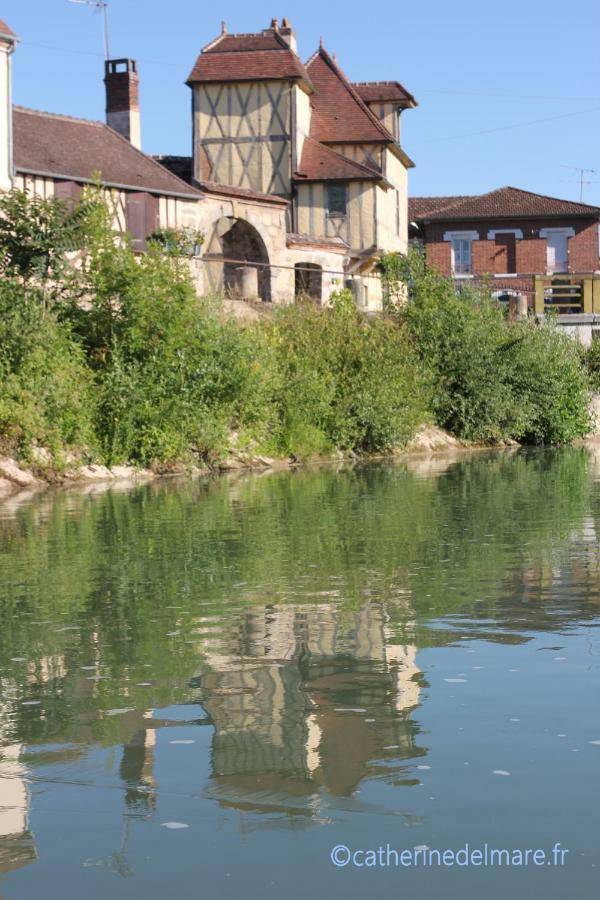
183, 67
456, 137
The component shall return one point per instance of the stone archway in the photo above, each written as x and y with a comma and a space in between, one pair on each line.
237, 261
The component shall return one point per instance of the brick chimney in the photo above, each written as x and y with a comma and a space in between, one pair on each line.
288, 34
7, 45
122, 99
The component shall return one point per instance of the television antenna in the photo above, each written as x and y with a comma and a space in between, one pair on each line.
99, 6
582, 180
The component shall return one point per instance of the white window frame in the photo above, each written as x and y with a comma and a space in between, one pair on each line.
451, 236
491, 236
567, 231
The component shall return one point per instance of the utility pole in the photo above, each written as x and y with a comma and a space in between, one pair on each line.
99, 6
582, 173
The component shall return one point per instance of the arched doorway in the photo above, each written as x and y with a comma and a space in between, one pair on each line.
233, 250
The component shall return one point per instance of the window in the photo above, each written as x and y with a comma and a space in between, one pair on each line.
557, 248
460, 251
461, 256
336, 199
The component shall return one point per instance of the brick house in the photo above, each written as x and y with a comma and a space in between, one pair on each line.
508, 234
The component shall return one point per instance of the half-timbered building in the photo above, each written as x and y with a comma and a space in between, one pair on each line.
265, 122
297, 178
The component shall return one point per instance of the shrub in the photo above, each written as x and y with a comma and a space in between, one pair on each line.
344, 381
591, 360
490, 379
46, 394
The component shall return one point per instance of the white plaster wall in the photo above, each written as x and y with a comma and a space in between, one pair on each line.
5, 116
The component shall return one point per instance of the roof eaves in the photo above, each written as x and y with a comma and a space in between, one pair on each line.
190, 194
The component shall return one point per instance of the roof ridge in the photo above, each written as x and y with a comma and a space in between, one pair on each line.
353, 93
53, 115
368, 83
247, 34
510, 187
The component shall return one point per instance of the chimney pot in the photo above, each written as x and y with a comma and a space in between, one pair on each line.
122, 98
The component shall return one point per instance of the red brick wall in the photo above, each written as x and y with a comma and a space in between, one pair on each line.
583, 249
488, 257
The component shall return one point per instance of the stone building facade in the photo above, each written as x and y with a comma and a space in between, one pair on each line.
297, 179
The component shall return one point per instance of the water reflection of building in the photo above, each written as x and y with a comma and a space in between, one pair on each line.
17, 847
307, 698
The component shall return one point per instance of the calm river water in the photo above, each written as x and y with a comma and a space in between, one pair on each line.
205, 687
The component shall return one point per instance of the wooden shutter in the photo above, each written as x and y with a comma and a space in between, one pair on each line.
68, 192
142, 216
507, 257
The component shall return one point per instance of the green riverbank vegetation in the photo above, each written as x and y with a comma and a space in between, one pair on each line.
108, 356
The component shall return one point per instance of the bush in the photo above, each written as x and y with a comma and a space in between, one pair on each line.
591, 360
492, 380
46, 395
344, 381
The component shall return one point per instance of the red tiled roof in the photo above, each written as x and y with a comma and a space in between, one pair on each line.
321, 163
5, 30
338, 113
421, 207
247, 57
75, 149
231, 43
382, 91
509, 202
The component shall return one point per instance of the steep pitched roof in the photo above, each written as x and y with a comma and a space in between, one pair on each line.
384, 92
5, 31
321, 163
339, 114
509, 202
248, 57
74, 149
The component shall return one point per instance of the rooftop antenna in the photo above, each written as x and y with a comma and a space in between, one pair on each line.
99, 6
582, 173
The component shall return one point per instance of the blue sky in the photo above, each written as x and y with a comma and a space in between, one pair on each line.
479, 71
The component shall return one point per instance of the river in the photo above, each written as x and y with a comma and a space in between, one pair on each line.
207, 686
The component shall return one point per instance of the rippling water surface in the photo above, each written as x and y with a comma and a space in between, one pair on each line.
205, 687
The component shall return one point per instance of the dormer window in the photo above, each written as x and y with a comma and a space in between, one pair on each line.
337, 199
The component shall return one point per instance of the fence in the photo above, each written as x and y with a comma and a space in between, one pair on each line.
567, 294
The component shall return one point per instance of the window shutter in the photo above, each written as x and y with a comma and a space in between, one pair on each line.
142, 217
508, 258
68, 192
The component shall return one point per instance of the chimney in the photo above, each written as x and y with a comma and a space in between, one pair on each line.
122, 99
8, 41
289, 35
